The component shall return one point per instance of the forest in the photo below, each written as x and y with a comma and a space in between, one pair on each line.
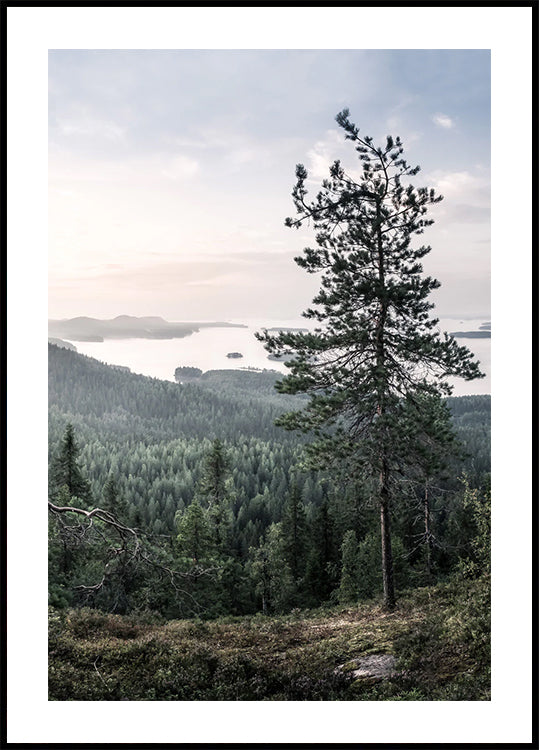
290, 541
151, 452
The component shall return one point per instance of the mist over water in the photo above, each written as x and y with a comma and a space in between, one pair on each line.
208, 348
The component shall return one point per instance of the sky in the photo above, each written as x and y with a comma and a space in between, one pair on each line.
170, 172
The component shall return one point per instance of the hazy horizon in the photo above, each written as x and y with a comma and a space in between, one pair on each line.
224, 319
171, 172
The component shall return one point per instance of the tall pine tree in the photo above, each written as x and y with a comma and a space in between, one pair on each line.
377, 353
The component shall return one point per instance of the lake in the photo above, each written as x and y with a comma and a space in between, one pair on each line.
208, 348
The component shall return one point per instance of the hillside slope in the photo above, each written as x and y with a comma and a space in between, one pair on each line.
438, 637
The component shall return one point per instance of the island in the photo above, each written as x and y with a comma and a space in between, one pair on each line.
289, 330
281, 357
128, 327
63, 344
182, 374
291, 357
470, 334
234, 355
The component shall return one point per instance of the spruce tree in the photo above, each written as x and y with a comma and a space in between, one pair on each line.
194, 539
377, 353
433, 446
213, 485
271, 573
348, 588
112, 499
215, 491
321, 574
294, 529
65, 470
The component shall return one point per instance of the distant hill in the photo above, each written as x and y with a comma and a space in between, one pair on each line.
127, 327
482, 334
224, 403
289, 330
63, 344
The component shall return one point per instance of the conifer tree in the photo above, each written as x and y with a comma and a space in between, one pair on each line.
65, 469
194, 534
112, 499
434, 445
270, 572
215, 492
294, 528
321, 574
213, 485
348, 588
377, 352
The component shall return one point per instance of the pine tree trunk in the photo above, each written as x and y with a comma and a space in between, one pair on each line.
387, 555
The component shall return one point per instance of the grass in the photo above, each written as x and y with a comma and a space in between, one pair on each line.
439, 636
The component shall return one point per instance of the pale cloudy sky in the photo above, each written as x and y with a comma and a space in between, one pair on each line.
170, 172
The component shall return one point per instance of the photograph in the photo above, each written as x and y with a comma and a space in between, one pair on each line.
269, 375
283, 257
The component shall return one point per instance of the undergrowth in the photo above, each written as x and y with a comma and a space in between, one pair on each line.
438, 635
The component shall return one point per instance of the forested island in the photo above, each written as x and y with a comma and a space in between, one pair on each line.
280, 357
181, 374
63, 344
481, 334
288, 330
126, 327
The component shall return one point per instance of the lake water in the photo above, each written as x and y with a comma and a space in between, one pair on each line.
208, 348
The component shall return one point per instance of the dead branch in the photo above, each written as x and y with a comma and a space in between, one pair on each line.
135, 552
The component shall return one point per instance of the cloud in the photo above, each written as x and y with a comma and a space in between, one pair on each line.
92, 127
227, 150
180, 167
241, 156
64, 192
323, 154
468, 214
220, 280
193, 269
444, 121
466, 199
459, 183
67, 169
175, 168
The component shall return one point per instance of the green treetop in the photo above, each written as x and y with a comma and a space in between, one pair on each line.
65, 470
